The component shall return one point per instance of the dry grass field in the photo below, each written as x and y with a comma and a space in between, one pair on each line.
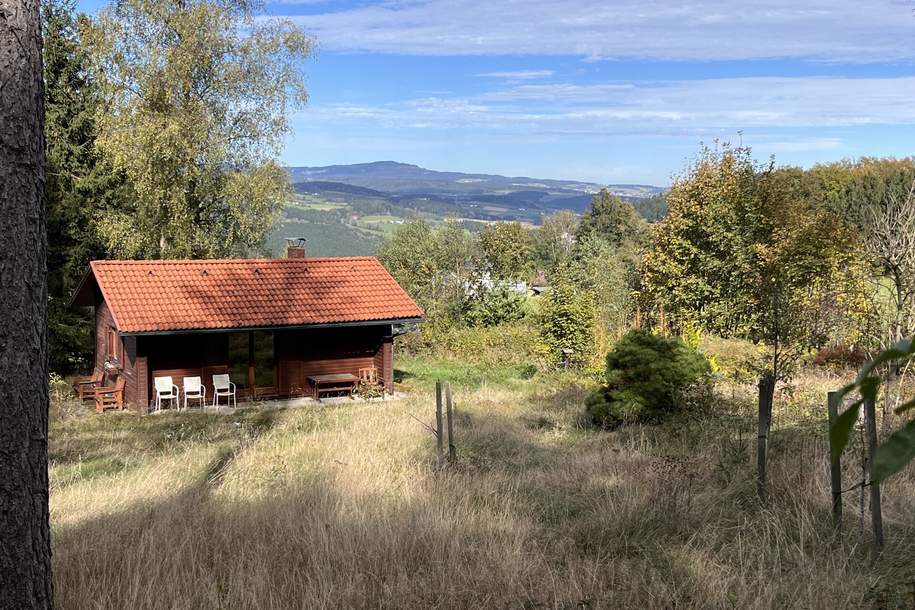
344, 507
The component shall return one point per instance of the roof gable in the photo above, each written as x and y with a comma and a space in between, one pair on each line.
175, 295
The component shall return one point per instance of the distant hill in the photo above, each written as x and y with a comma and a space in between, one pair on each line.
403, 178
349, 209
321, 186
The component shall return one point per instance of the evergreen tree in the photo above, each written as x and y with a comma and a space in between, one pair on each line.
79, 184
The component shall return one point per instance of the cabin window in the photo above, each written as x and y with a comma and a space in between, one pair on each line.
113, 342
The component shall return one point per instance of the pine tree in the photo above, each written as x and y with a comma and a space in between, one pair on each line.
79, 184
25, 538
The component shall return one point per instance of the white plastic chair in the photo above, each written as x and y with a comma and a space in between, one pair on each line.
166, 390
223, 387
195, 390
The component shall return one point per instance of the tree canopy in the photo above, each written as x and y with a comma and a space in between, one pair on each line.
610, 219
197, 99
80, 184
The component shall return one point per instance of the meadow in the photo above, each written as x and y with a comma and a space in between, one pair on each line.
344, 506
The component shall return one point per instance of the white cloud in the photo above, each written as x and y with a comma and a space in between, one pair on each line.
831, 30
696, 107
521, 75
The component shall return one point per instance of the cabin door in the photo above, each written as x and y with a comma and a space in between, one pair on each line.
252, 363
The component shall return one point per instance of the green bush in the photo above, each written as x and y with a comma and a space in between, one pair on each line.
646, 376
498, 305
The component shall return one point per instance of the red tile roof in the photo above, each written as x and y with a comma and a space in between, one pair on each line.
148, 296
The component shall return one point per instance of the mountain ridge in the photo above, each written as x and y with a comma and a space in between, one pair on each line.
406, 178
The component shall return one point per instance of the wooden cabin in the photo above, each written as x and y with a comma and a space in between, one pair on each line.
268, 323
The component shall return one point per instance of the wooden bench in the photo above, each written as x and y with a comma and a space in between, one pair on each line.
335, 382
110, 397
84, 387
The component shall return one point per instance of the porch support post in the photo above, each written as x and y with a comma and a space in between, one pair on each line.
387, 363
251, 363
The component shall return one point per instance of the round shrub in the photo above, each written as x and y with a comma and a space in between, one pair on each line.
646, 375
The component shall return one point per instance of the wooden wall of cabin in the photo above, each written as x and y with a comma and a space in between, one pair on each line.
303, 353
298, 354
103, 323
124, 349
178, 356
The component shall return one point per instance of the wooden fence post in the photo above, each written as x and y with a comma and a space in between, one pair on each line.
439, 433
835, 464
452, 450
766, 388
870, 426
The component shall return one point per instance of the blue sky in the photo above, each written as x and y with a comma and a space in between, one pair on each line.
611, 92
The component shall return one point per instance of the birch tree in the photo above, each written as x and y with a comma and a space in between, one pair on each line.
198, 95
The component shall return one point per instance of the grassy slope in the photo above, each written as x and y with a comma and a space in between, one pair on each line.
343, 507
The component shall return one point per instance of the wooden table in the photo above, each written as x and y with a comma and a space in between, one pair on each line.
332, 383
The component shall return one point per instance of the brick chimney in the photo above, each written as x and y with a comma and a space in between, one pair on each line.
295, 247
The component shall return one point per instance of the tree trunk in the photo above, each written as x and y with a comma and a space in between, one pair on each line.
766, 399
25, 548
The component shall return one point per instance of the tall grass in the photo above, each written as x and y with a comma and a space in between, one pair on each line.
344, 506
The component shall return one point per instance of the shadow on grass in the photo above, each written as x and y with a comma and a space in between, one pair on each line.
108, 444
308, 546
400, 375
530, 516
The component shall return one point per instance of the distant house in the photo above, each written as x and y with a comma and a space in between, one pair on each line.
487, 283
271, 324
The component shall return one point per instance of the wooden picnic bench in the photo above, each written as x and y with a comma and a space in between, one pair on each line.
335, 382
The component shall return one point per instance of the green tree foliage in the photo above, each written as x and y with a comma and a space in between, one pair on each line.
566, 323
497, 305
850, 188
697, 266
197, 101
611, 219
877, 198
509, 251
645, 376
555, 239
411, 255
745, 251
652, 208
604, 264
439, 267
608, 274
79, 184
744, 245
